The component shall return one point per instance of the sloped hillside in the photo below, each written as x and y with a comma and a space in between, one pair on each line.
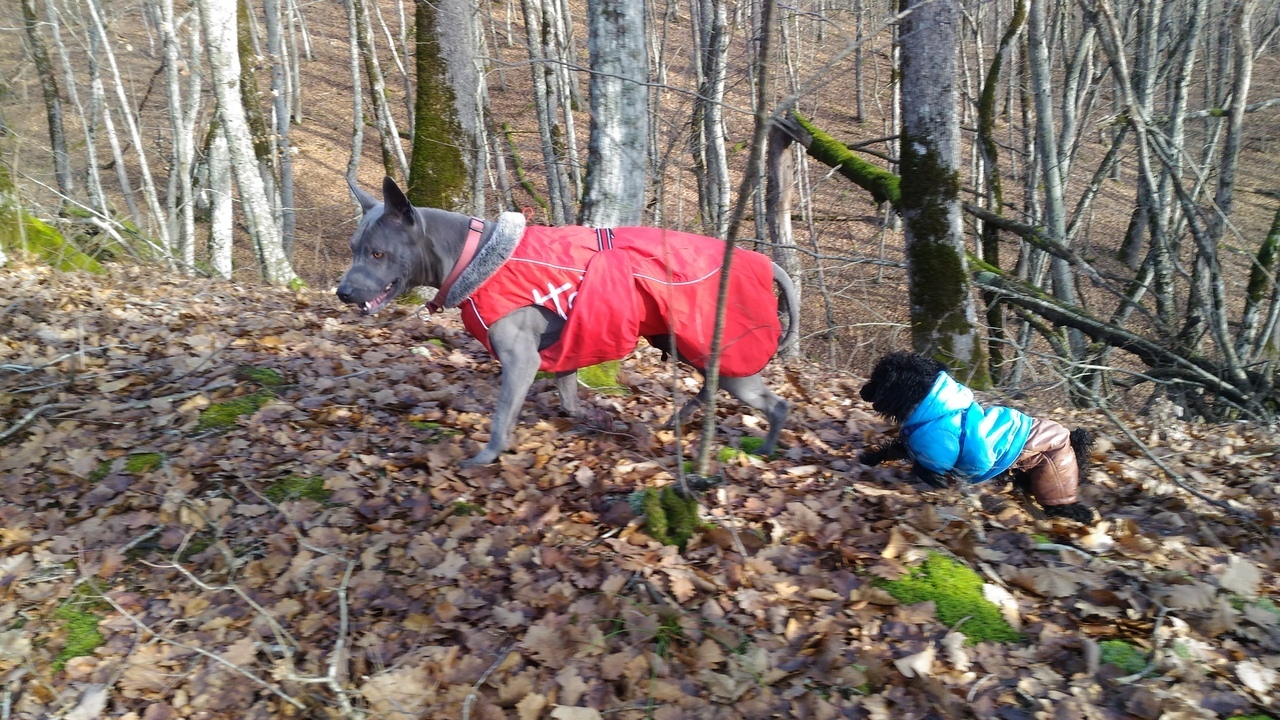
237, 502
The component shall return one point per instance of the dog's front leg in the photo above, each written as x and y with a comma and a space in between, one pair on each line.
514, 339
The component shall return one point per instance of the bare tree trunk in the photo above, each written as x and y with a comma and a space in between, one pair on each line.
281, 114
98, 104
758, 140
181, 204
860, 108
97, 197
943, 316
220, 212
781, 176
126, 112
52, 99
714, 46
357, 94
618, 154
566, 94
542, 78
994, 183
218, 18
1051, 170
392, 152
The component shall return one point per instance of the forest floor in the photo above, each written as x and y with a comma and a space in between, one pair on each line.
224, 501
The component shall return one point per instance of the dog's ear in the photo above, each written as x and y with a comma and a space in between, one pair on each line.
367, 201
396, 201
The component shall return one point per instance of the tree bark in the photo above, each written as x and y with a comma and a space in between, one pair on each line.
52, 99
542, 79
943, 317
713, 47
220, 207
127, 113
617, 157
181, 204
445, 138
281, 114
780, 179
218, 18
392, 153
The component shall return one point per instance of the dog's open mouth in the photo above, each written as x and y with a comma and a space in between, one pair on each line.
372, 306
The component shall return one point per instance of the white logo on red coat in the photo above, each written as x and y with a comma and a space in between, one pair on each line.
553, 296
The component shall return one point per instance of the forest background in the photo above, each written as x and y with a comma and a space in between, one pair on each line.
1072, 202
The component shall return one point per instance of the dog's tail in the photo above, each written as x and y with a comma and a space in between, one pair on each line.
1082, 445
793, 306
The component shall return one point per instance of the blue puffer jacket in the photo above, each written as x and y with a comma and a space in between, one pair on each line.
948, 432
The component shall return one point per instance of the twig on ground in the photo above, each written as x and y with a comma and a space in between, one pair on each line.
1051, 547
283, 637
205, 653
140, 539
472, 696
973, 689
32, 415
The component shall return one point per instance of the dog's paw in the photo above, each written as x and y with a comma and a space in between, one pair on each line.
1072, 511
873, 456
486, 456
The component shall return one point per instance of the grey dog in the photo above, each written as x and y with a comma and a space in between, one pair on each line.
397, 247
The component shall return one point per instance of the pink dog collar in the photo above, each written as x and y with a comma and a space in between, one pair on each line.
468, 252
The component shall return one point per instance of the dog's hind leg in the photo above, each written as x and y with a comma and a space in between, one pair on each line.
752, 391
567, 388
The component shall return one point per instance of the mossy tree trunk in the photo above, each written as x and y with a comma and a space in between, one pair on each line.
444, 137
943, 317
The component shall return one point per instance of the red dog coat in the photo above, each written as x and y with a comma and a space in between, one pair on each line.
613, 286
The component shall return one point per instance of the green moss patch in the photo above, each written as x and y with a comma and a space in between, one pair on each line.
48, 245
462, 507
956, 591
100, 472
603, 378
746, 446
82, 634
668, 518
1128, 658
224, 414
266, 377
295, 487
435, 430
140, 463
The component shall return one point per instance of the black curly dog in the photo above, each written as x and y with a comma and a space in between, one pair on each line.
900, 381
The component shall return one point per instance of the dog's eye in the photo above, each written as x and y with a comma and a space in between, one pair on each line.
377, 255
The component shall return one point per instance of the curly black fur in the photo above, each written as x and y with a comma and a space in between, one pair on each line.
901, 380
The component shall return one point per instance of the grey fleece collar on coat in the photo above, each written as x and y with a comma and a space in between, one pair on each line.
494, 251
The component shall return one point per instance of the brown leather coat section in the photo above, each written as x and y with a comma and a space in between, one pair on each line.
1049, 461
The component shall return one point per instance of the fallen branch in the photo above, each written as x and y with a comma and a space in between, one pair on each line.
32, 415
205, 653
472, 696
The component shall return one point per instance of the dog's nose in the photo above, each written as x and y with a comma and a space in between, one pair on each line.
344, 294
